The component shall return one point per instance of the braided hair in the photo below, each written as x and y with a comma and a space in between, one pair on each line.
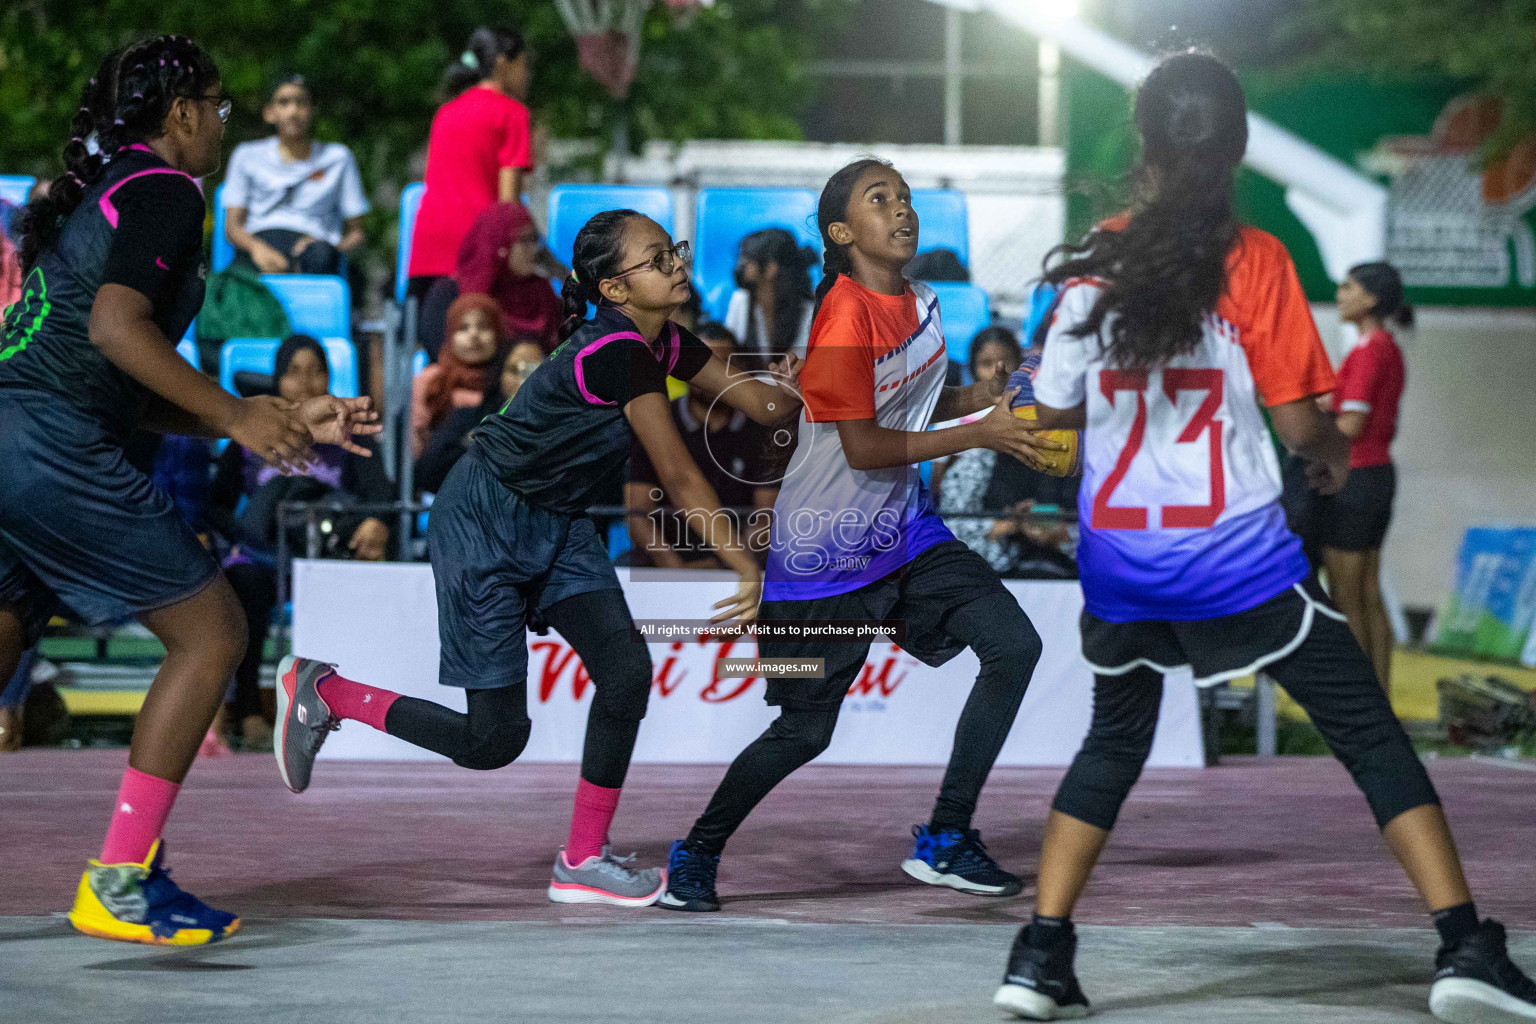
127, 101
831, 208
1167, 268
598, 253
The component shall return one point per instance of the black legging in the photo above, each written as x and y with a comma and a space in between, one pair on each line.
495, 730
256, 589
1328, 675
1008, 647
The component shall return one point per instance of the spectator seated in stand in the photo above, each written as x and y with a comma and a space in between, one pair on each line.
292, 204
732, 452
503, 256
243, 508
450, 440
774, 301
982, 481
938, 265
463, 371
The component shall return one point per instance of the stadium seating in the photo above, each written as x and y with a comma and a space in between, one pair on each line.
410, 202
727, 215
14, 187
942, 221
964, 311
571, 206
419, 362
187, 349
256, 355
317, 304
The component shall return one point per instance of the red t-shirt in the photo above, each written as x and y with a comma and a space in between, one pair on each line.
473, 137
1371, 381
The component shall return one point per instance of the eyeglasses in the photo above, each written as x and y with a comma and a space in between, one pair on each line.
664, 262
226, 106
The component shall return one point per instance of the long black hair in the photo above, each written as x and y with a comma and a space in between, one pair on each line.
995, 336
791, 286
1167, 268
478, 60
597, 253
1385, 284
831, 208
125, 102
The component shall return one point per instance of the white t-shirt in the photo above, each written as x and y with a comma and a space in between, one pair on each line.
736, 323
312, 197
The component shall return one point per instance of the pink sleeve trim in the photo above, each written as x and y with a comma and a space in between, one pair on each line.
581, 380
110, 212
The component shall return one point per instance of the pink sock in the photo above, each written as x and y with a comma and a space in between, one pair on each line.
346, 699
143, 804
589, 821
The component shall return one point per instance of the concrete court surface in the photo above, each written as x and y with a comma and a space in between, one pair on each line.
415, 893
692, 971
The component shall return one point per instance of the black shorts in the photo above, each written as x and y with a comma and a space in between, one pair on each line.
1356, 519
1215, 650
497, 560
78, 524
920, 596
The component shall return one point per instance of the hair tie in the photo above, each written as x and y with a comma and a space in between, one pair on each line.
574, 277
118, 121
469, 60
175, 63
138, 95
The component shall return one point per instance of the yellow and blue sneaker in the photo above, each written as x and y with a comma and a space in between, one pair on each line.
140, 903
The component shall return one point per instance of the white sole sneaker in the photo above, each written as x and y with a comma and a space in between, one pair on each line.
923, 872
1032, 1005
568, 893
1468, 1001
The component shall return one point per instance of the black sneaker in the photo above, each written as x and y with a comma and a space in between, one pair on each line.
1477, 983
690, 878
959, 860
1040, 984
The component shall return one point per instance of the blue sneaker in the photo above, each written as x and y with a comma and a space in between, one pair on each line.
140, 903
690, 878
959, 860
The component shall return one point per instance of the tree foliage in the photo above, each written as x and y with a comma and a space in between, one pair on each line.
734, 71
1487, 43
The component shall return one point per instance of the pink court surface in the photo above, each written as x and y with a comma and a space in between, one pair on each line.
1253, 891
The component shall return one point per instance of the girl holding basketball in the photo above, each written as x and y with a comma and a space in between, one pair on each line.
113, 268
1174, 324
856, 537
512, 547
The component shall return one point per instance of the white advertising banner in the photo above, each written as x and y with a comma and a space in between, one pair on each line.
378, 623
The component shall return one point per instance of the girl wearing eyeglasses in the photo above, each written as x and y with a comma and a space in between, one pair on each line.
512, 549
112, 258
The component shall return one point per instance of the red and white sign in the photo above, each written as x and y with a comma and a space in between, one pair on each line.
378, 622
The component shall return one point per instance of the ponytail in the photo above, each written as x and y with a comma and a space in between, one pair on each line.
831, 208
595, 255
1382, 281
1166, 270
478, 60
127, 101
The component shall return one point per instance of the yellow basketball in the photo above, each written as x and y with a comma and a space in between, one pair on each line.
1067, 463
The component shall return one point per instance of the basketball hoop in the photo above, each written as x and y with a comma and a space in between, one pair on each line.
607, 38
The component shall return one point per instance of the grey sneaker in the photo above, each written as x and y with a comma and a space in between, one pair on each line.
303, 719
606, 879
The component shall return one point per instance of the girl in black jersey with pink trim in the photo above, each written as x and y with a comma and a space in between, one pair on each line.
511, 546
113, 269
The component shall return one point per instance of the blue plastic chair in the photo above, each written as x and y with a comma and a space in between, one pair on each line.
223, 252
419, 362
14, 188
964, 312
571, 206
726, 216
410, 202
258, 355
942, 221
187, 349
618, 539
319, 305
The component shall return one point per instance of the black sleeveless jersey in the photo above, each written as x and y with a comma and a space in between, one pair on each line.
139, 225
564, 436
